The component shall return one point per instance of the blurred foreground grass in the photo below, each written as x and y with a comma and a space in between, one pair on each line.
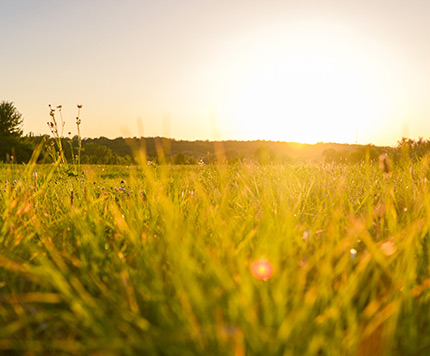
157, 261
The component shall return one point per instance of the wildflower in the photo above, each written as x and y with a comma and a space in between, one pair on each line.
262, 269
305, 236
388, 248
353, 253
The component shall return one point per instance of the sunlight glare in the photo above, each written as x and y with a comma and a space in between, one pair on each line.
314, 88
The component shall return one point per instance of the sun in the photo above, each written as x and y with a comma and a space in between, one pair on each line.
311, 87
307, 100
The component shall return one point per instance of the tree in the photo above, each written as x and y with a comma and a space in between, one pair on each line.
10, 120
13, 147
180, 158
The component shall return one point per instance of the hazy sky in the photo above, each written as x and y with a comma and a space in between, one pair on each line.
308, 71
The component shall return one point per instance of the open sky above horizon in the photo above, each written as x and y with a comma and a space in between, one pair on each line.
305, 71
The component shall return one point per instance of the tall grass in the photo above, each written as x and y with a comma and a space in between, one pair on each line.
157, 260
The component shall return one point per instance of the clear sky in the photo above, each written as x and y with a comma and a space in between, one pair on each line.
306, 71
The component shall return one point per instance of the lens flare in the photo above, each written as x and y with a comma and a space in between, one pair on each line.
262, 269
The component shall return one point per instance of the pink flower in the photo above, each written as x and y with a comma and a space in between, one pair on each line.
262, 269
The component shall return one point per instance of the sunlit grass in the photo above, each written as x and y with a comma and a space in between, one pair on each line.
159, 260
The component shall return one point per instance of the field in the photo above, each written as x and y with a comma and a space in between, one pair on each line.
157, 260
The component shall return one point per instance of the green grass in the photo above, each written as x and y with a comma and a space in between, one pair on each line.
161, 263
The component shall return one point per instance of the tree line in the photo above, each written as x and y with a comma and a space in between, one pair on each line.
18, 148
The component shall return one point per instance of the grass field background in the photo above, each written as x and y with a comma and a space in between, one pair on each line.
150, 260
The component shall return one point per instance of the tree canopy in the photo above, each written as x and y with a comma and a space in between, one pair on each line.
10, 120
13, 146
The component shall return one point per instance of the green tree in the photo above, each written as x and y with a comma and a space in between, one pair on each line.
13, 147
180, 158
10, 120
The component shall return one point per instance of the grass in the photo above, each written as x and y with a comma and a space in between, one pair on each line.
157, 260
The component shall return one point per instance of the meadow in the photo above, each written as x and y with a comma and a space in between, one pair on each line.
146, 260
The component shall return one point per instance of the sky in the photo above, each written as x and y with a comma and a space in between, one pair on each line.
304, 71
